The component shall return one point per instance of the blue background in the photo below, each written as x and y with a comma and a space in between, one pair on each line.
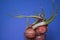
14, 28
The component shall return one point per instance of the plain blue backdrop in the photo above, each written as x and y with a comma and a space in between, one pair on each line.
14, 28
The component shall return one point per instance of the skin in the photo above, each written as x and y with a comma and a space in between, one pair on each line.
41, 37
41, 29
30, 33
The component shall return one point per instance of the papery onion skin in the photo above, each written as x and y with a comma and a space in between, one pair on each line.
41, 29
29, 33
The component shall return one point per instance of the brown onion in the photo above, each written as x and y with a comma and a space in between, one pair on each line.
41, 29
29, 33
